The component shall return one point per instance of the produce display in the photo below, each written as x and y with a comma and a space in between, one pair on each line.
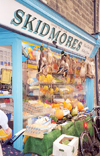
62, 87
59, 113
35, 107
35, 130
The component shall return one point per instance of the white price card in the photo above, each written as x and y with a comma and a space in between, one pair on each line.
3, 105
66, 112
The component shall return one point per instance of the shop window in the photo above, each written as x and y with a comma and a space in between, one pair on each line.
41, 90
5, 70
30, 57
6, 103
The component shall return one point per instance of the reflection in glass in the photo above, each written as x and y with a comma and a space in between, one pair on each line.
5, 70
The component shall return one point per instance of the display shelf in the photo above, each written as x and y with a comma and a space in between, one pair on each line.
71, 90
43, 83
35, 115
79, 92
59, 73
58, 83
72, 94
7, 109
6, 96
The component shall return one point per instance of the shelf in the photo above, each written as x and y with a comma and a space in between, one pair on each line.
35, 115
58, 73
6, 96
58, 83
80, 92
43, 83
67, 94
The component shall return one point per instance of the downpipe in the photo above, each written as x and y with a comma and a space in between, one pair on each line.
96, 70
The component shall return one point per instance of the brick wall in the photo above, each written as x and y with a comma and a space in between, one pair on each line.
80, 13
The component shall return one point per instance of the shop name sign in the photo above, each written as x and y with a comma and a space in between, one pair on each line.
58, 36
29, 22
43, 29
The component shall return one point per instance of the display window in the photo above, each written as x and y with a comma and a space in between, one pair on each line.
6, 105
5, 70
51, 80
6, 102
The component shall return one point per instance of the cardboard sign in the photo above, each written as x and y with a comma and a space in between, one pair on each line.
6, 76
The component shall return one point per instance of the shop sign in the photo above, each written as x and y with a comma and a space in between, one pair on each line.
27, 21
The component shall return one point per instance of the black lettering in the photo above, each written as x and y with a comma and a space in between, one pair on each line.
18, 17
37, 27
53, 35
79, 46
43, 28
68, 43
74, 43
64, 39
27, 22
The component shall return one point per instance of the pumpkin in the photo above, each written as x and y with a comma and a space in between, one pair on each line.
67, 105
59, 113
80, 106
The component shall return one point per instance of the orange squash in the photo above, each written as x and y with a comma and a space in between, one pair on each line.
59, 113
80, 106
68, 106
25, 138
4, 136
56, 106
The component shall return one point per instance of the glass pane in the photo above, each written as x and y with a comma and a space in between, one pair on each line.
1, 52
6, 105
5, 53
48, 84
5, 70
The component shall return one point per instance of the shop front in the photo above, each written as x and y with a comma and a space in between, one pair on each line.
28, 30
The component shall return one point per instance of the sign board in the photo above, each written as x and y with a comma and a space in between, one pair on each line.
26, 21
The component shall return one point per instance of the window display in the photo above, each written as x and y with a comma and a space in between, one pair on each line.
52, 80
5, 70
6, 102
